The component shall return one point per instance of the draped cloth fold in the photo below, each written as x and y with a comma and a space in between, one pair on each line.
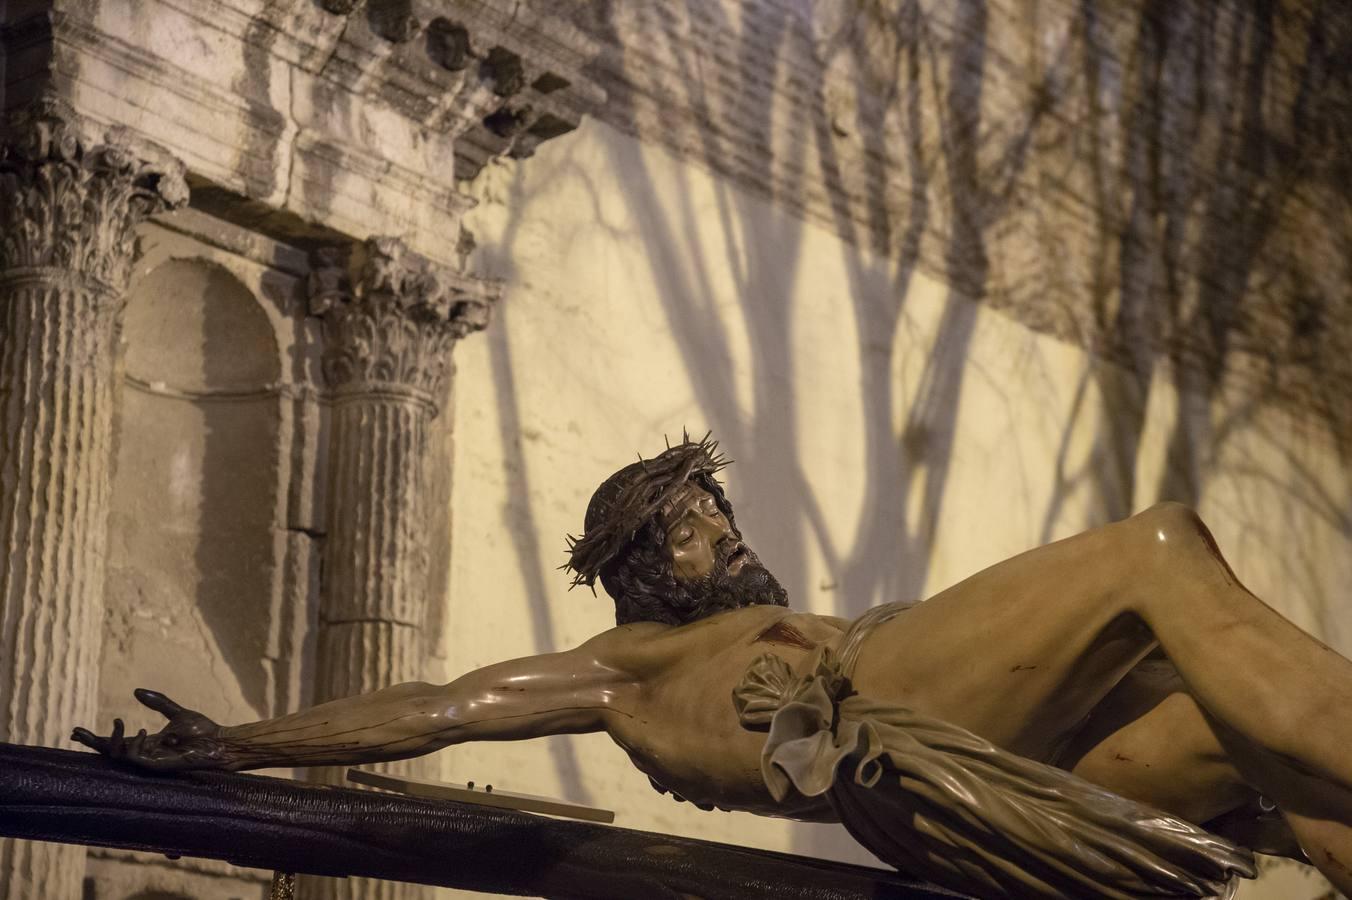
941, 803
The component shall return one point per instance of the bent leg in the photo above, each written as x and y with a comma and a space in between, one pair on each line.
1328, 844
1018, 653
1021, 652
1150, 742
1246, 665
1319, 813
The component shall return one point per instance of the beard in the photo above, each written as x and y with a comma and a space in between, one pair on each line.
720, 590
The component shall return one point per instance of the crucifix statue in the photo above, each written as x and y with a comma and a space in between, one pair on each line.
1111, 715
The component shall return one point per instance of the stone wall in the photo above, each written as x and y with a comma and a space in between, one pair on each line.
217, 428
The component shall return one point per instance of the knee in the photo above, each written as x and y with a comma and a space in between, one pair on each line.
1171, 521
1174, 530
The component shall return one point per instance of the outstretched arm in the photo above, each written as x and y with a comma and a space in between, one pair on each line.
557, 693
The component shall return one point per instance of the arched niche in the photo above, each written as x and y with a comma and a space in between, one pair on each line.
194, 507
196, 327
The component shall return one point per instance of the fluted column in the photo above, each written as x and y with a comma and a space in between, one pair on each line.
375, 562
390, 321
67, 214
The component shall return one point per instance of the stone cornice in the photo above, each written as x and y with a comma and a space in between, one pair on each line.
500, 82
391, 318
75, 202
322, 124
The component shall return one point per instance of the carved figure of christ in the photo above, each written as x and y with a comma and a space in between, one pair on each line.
1040, 655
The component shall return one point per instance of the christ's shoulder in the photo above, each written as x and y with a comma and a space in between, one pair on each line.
644, 648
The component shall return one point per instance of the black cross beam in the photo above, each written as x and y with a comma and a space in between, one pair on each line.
288, 826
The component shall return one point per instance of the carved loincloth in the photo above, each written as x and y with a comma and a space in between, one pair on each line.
941, 803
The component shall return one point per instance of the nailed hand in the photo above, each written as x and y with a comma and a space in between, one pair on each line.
189, 741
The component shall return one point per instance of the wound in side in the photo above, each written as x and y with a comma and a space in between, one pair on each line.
782, 632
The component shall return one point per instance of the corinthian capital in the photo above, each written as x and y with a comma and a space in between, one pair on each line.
391, 317
70, 204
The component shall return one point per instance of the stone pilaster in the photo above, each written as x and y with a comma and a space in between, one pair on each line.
390, 321
68, 209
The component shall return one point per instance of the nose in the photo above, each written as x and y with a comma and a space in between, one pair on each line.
717, 528
728, 547
721, 525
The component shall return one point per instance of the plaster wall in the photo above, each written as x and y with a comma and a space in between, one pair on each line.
891, 437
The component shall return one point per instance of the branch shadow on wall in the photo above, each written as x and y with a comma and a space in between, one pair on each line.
541, 590
1190, 233
1160, 231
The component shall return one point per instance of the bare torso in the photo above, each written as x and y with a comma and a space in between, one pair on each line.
683, 731
952, 657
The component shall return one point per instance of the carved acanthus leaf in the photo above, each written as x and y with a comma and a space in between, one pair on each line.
391, 317
71, 205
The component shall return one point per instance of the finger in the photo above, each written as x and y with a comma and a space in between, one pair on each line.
136, 746
90, 740
158, 702
116, 744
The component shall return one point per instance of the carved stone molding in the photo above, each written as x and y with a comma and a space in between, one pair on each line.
71, 205
312, 118
391, 318
501, 80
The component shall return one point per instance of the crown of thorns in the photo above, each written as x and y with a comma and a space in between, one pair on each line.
627, 500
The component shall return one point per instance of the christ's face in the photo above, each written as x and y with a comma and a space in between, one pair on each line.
713, 569
698, 536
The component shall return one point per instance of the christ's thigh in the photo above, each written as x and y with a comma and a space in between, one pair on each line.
1020, 652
